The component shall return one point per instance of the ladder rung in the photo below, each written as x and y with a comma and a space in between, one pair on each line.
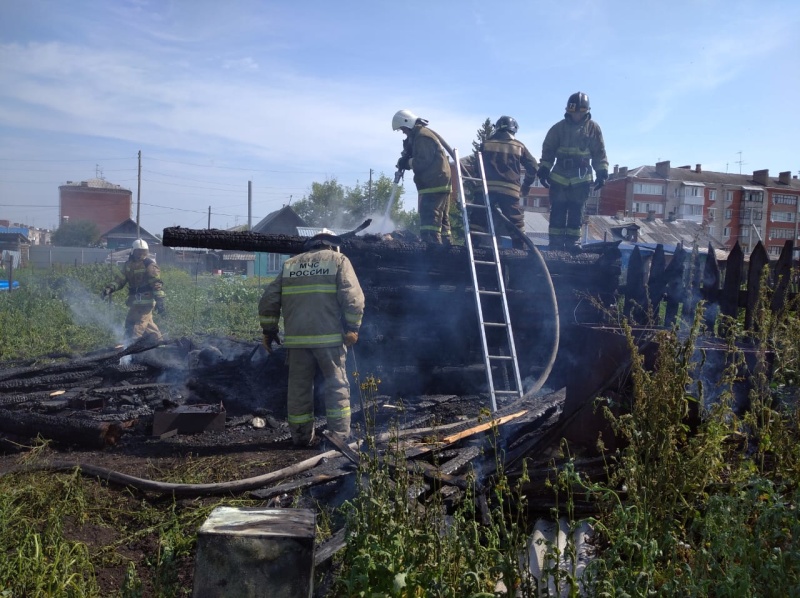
478, 233
494, 293
484, 263
471, 178
506, 392
476, 205
501, 357
495, 324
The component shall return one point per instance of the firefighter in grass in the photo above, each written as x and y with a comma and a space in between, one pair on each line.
322, 304
571, 149
504, 158
145, 291
425, 154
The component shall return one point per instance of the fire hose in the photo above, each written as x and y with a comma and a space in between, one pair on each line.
551, 295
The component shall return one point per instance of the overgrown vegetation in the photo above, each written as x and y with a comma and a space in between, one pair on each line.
693, 506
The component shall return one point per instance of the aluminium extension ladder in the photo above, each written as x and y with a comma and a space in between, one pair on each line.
497, 337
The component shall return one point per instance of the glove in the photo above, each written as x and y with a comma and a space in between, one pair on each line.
160, 307
602, 176
404, 163
350, 338
544, 176
524, 190
270, 336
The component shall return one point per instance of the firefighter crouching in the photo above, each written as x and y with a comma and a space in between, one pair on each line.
322, 304
145, 291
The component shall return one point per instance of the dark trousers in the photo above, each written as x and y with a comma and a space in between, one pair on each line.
566, 213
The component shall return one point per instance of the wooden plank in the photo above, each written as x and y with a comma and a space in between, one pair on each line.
635, 292
782, 276
482, 427
711, 288
759, 260
656, 282
675, 288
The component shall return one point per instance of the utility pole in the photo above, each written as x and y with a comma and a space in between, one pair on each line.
139, 197
369, 192
209, 218
249, 205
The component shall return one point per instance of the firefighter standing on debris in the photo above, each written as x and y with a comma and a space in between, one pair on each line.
571, 148
504, 157
145, 291
424, 153
322, 304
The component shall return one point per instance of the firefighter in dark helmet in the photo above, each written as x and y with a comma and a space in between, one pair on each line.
504, 159
571, 149
322, 304
145, 291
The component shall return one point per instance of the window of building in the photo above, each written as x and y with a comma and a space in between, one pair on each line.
774, 249
712, 213
728, 214
782, 217
726, 232
781, 233
712, 195
756, 196
729, 196
648, 189
781, 198
695, 210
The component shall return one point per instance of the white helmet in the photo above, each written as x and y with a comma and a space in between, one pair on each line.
404, 118
139, 244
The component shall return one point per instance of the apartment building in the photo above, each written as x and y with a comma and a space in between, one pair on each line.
732, 207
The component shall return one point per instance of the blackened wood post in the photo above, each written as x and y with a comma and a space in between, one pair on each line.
758, 261
710, 291
781, 276
675, 287
729, 300
634, 289
656, 283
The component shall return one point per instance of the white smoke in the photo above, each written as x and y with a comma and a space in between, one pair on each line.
89, 310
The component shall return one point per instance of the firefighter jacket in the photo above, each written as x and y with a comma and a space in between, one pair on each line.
143, 278
570, 148
428, 161
320, 296
503, 160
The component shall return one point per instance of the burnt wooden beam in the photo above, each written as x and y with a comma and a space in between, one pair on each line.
77, 431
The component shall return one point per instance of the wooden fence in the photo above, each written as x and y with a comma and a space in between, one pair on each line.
678, 286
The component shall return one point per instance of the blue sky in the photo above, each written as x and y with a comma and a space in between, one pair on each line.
216, 94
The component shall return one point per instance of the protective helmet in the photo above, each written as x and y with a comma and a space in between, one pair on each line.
404, 118
139, 244
506, 123
326, 238
578, 102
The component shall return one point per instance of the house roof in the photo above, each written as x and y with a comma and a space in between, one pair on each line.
280, 222
708, 177
655, 231
128, 230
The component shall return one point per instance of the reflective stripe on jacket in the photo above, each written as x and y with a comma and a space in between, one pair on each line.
319, 294
143, 278
503, 160
430, 163
570, 148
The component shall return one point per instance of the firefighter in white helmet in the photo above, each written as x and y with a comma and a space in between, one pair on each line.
322, 304
145, 291
424, 154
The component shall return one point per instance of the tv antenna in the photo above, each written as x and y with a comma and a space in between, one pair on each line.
739, 162
98, 172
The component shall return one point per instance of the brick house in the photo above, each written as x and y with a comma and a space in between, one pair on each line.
97, 201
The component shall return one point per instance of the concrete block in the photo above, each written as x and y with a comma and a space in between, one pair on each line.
252, 552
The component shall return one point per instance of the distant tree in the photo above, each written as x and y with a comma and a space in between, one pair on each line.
334, 206
80, 233
482, 135
324, 205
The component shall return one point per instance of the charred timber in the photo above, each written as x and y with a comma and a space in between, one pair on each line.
60, 429
420, 312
